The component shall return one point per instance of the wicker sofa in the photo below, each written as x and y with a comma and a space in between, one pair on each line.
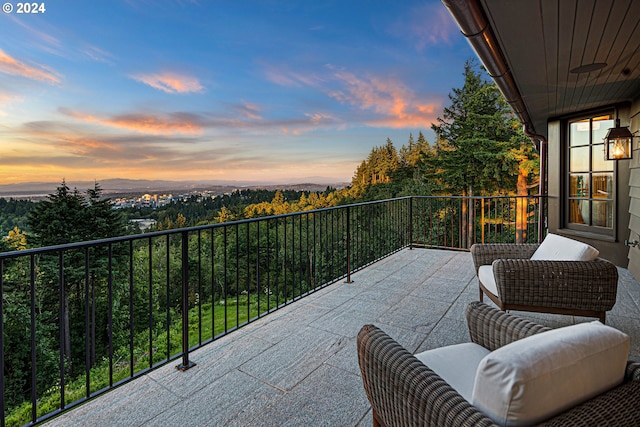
405, 392
581, 288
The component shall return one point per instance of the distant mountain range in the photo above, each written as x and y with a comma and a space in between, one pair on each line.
128, 186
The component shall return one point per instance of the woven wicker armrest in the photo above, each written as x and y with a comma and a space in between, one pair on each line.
486, 253
404, 392
633, 371
617, 407
492, 328
589, 285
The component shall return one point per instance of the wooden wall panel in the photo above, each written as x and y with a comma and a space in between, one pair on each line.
634, 194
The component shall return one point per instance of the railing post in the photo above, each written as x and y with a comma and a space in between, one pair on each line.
411, 223
2, 403
349, 245
62, 325
471, 222
186, 364
482, 220
541, 214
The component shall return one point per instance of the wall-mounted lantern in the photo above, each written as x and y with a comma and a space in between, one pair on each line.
617, 143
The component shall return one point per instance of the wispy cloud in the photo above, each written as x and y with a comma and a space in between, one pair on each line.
6, 99
48, 142
394, 103
426, 25
249, 110
310, 122
98, 55
83, 147
283, 76
170, 82
174, 123
12, 66
41, 38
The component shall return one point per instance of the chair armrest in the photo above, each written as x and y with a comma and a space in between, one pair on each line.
486, 253
616, 407
633, 371
492, 328
590, 285
405, 392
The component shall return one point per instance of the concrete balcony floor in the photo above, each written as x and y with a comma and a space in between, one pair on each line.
298, 365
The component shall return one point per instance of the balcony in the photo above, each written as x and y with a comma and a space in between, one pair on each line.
298, 366
287, 357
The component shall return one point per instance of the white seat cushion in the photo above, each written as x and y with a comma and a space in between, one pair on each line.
486, 277
535, 378
456, 364
559, 248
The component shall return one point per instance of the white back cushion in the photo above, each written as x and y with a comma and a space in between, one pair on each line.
559, 248
535, 378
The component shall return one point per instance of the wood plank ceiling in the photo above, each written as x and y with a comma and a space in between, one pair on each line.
543, 40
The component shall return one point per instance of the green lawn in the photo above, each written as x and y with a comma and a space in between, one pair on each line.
235, 311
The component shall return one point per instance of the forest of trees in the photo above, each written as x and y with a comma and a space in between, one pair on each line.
13, 213
479, 150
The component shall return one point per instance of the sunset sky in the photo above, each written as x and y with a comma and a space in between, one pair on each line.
268, 91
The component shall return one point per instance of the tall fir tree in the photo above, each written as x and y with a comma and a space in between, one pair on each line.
476, 130
68, 216
481, 149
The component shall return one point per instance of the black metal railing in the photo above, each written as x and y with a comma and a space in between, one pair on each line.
82, 318
457, 222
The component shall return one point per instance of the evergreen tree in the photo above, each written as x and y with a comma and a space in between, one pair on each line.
104, 221
13, 213
61, 218
389, 161
475, 130
480, 148
64, 217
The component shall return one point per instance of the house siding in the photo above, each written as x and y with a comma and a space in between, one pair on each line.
634, 192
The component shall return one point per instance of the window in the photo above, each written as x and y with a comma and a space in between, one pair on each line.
591, 177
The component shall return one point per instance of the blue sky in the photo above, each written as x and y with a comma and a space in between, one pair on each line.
269, 91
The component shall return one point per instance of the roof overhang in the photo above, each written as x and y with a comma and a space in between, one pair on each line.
555, 58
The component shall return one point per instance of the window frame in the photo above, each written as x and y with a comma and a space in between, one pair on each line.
592, 147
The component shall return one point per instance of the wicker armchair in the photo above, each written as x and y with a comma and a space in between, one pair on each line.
405, 392
580, 288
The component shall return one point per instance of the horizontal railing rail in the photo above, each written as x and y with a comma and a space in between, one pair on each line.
80, 319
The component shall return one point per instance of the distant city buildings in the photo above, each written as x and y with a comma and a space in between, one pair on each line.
156, 200
144, 201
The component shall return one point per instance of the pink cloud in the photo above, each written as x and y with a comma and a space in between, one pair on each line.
170, 82
249, 110
145, 123
96, 149
311, 122
12, 66
396, 105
